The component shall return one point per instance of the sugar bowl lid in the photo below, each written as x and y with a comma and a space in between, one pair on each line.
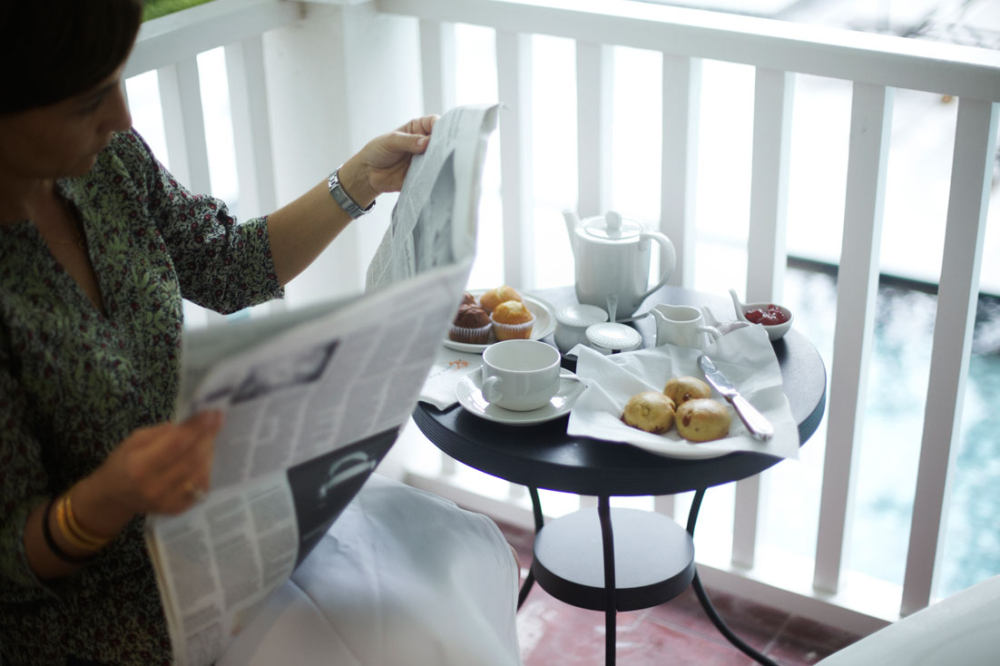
613, 336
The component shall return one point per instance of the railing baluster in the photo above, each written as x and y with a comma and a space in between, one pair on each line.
250, 115
437, 68
184, 123
857, 287
665, 504
594, 74
972, 168
184, 129
248, 103
678, 154
514, 81
437, 58
765, 252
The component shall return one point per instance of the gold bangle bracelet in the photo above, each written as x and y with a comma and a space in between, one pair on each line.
66, 532
78, 530
73, 560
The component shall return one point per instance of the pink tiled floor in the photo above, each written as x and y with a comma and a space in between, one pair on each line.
678, 632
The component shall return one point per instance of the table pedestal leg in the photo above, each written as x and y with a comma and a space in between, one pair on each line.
706, 604
610, 608
529, 580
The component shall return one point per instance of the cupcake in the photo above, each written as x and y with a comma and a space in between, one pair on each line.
494, 297
471, 324
468, 299
511, 319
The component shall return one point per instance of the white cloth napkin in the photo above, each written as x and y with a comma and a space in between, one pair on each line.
448, 369
745, 356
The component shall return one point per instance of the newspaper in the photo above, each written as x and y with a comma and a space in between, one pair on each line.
314, 400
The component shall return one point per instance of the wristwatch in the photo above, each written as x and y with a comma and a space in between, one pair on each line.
343, 199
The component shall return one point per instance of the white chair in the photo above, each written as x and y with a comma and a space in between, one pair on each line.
962, 629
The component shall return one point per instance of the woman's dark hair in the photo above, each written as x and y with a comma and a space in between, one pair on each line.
54, 49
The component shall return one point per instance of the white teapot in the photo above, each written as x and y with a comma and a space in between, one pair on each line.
612, 261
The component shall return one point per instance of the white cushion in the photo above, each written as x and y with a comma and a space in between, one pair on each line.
403, 577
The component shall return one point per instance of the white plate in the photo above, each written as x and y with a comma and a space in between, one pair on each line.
545, 323
470, 396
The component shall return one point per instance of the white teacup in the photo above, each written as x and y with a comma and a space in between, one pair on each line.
520, 375
684, 326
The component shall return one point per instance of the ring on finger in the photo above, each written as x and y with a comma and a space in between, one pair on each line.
193, 491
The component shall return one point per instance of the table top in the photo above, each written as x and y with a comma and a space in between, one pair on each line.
545, 456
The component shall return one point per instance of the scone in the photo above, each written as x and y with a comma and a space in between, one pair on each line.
682, 389
471, 325
702, 420
494, 297
650, 411
512, 320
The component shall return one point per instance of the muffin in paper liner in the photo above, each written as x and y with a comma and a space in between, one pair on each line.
513, 331
474, 336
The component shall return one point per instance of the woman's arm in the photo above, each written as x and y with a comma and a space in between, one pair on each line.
302, 229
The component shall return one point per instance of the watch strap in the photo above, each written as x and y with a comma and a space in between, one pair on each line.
343, 199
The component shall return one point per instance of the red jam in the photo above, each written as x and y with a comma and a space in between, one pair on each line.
768, 316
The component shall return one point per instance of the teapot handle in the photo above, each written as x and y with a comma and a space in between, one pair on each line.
670, 260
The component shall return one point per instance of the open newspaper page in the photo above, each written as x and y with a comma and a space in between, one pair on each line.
313, 402
437, 223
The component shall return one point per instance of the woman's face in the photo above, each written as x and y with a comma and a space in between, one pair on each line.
63, 139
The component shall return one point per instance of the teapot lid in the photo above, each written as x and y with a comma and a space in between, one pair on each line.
612, 227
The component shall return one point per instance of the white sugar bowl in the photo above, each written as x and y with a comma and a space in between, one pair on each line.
572, 322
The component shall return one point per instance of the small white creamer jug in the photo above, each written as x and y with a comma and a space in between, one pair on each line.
684, 326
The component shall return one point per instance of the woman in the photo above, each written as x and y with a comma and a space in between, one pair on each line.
98, 244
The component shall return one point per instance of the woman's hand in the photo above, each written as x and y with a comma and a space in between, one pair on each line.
301, 229
382, 164
159, 469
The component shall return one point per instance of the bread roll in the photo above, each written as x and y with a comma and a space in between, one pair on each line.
702, 420
650, 411
682, 389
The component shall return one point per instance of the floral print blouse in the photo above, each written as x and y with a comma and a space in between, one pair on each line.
74, 382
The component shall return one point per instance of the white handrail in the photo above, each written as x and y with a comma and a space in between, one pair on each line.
172, 38
808, 49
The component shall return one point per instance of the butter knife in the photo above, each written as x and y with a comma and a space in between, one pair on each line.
758, 425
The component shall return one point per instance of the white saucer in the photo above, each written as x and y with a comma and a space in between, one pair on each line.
545, 323
470, 396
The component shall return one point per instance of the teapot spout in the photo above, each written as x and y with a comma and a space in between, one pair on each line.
572, 221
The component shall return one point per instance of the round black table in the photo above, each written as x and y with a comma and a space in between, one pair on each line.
575, 555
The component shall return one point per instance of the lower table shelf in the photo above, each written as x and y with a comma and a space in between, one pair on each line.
654, 559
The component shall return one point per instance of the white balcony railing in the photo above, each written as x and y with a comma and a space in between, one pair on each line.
308, 82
